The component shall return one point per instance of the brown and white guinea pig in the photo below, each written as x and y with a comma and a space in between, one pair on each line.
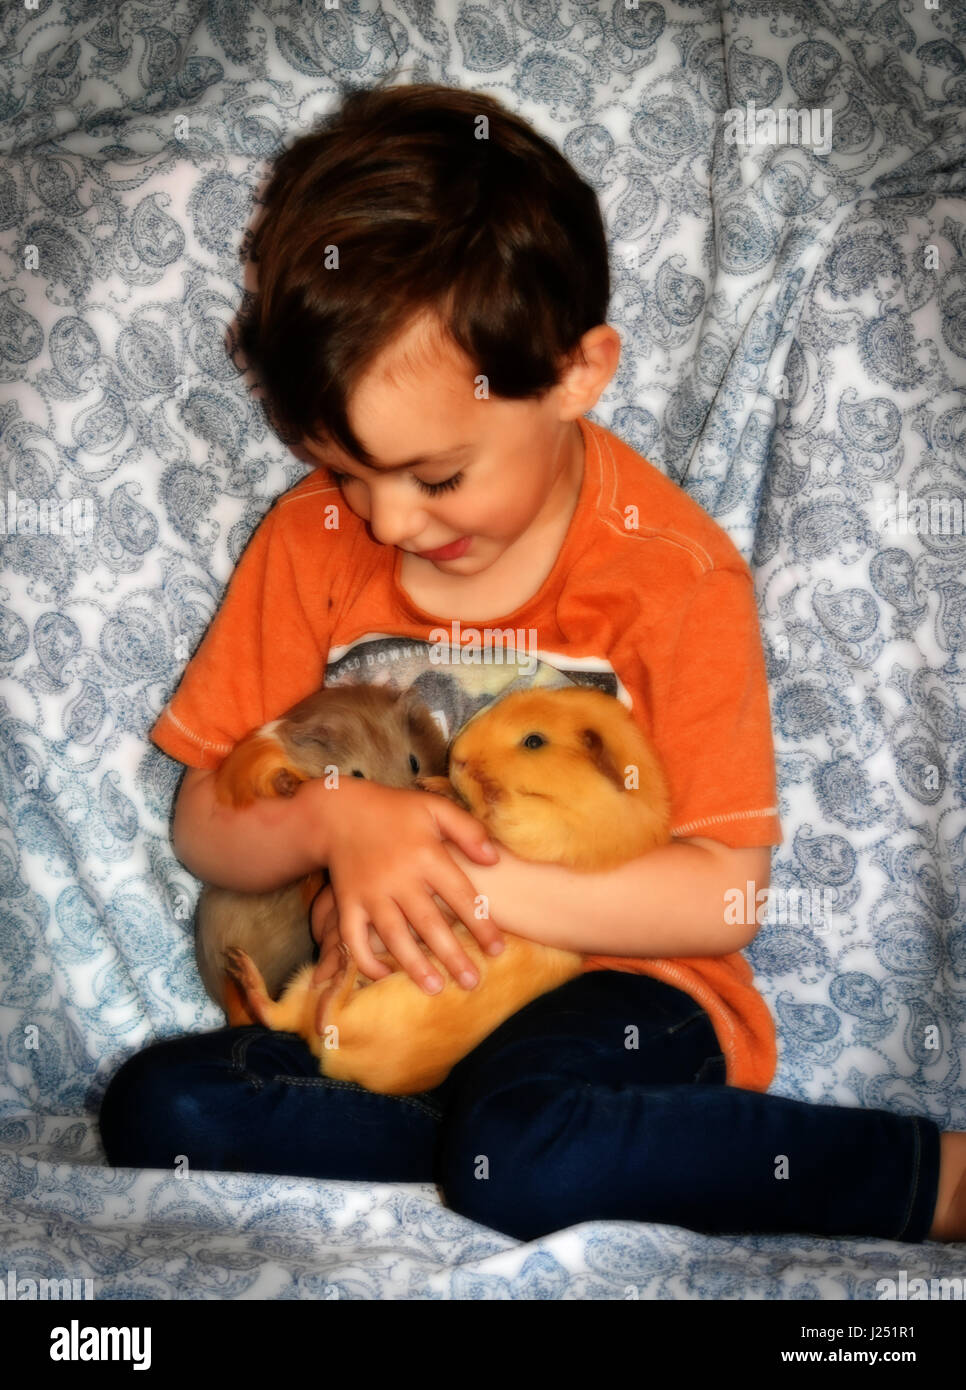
557, 776
361, 731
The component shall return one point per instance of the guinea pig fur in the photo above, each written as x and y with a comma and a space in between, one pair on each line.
557, 776
359, 730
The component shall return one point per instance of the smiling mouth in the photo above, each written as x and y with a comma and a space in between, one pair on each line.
439, 552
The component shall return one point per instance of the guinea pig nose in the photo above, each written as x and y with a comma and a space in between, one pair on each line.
459, 763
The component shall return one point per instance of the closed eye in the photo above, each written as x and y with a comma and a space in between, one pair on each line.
433, 489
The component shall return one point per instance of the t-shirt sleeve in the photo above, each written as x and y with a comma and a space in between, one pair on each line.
712, 722
256, 659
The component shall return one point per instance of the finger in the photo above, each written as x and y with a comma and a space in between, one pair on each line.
322, 905
328, 960
394, 929
438, 935
354, 930
327, 965
463, 829
376, 942
458, 893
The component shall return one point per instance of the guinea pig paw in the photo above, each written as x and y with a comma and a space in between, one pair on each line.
344, 982
441, 786
246, 975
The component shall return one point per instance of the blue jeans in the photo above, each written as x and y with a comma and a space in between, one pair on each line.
552, 1120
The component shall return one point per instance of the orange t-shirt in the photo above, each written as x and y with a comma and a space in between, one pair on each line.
649, 599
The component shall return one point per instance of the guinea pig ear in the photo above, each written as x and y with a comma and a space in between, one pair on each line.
317, 734
411, 704
601, 758
418, 714
408, 698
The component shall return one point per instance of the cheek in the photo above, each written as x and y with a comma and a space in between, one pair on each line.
505, 509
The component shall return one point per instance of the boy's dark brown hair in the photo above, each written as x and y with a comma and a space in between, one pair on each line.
498, 238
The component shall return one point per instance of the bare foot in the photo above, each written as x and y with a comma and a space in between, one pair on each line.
949, 1219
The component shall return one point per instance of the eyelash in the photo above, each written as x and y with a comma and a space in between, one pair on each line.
432, 488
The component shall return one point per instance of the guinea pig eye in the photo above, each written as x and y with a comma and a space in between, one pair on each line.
357, 773
414, 762
533, 741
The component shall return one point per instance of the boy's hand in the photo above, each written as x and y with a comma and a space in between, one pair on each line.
324, 927
387, 862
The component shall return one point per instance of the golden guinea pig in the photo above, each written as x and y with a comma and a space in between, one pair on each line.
560, 776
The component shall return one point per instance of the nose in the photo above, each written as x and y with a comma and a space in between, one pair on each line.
393, 520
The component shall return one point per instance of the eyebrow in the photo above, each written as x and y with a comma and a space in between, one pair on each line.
454, 452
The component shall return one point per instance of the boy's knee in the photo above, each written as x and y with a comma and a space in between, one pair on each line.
499, 1160
145, 1108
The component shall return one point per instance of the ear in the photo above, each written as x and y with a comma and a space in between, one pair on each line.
421, 719
408, 698
601, 758
412, 706
321, 734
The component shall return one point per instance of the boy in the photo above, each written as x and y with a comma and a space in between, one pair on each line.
429, 328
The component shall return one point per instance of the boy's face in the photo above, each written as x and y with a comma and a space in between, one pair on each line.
518, 465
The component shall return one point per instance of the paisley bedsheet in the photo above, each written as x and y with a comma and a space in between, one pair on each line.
793, 314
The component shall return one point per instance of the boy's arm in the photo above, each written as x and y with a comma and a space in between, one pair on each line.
669, 902
261, 847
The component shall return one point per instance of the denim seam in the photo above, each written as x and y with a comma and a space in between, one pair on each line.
240, 1049
915, 1182
328, 1081
718, 1057
702, 1013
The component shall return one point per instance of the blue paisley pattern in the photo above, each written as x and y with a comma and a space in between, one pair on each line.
794, 331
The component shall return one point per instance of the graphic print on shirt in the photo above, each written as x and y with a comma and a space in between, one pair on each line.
456, 682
